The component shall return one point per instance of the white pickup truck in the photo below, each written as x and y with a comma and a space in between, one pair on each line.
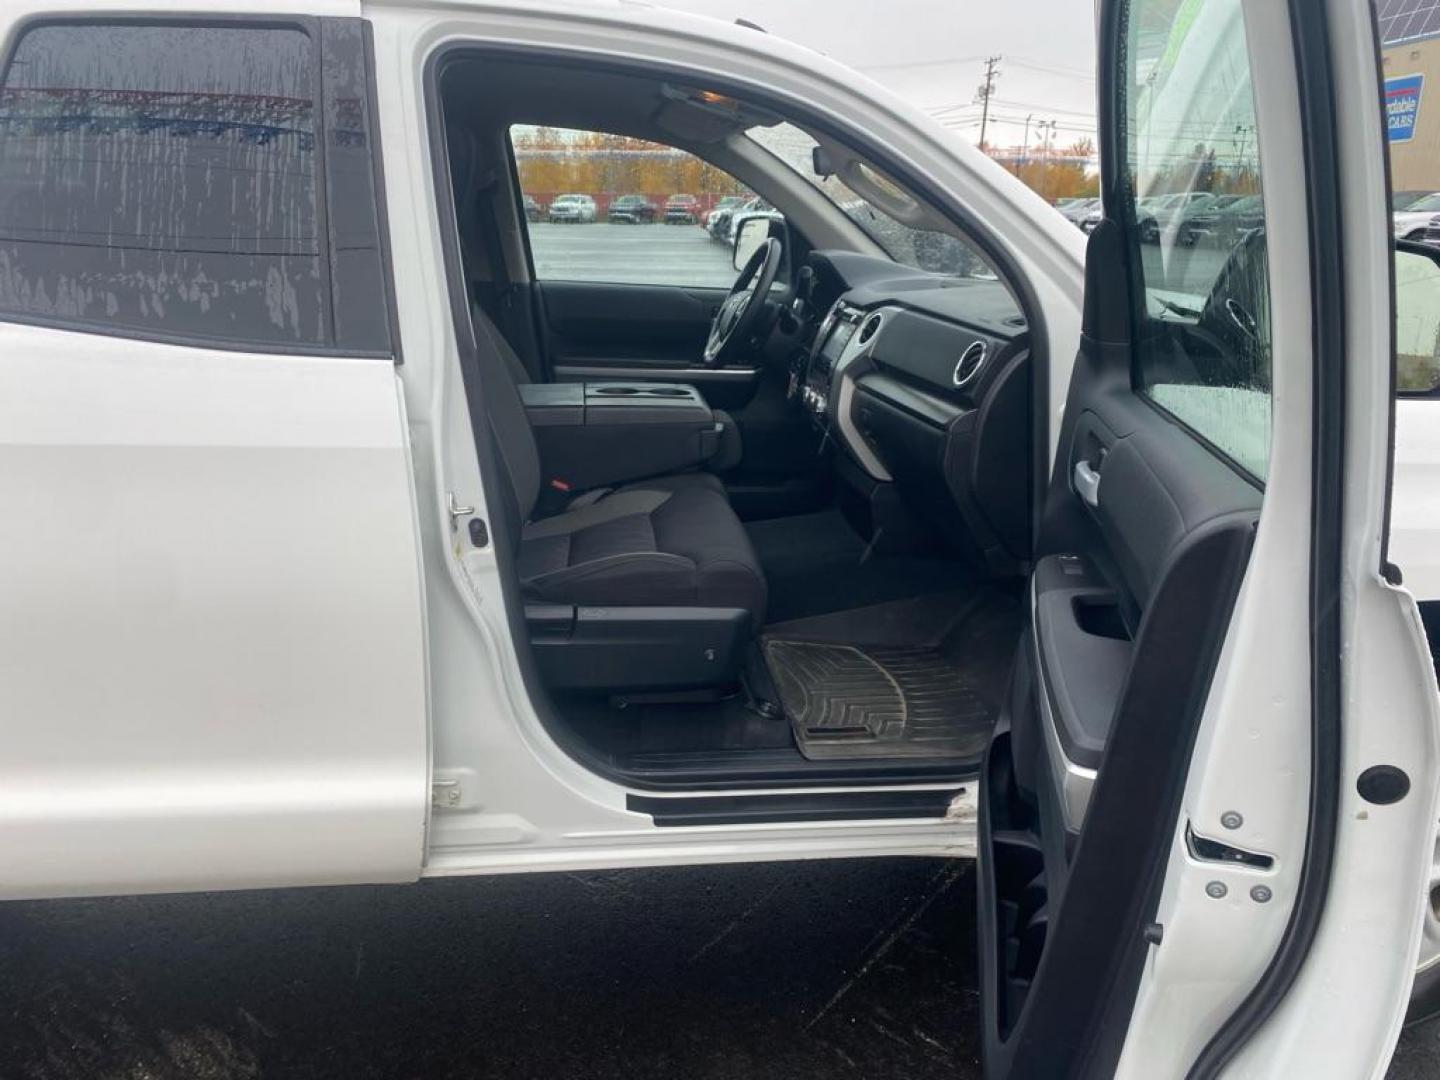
358, 528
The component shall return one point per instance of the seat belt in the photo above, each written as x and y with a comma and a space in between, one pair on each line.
497, 295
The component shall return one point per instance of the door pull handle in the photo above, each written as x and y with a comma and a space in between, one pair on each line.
1087, 482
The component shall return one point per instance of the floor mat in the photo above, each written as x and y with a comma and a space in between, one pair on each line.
921, 677
816, 563
845, 701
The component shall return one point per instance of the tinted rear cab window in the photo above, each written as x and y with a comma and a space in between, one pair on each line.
166, 180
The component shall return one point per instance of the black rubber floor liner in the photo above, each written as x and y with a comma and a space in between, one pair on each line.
850, 702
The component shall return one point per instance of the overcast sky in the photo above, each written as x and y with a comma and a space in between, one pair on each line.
933, 52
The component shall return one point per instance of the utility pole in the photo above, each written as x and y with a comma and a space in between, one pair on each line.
1046, 128
1242, 135
983, 93
1025, 145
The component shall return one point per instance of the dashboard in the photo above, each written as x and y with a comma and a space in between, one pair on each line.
923, 383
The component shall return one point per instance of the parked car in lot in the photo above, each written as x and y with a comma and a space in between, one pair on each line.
755, 208
717, 222
1402, 200
1413, 222
682, 210
716, 219
1019, 558
532, 208
572, 209
631, 210
1076, 211
1220, 221
1164, 214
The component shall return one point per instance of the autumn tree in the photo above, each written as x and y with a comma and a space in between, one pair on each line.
555, 161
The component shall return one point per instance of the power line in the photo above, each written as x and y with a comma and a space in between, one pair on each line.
1047, 108
1051, 69
908, 64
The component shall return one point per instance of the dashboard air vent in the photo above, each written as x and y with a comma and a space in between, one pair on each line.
969, 364
868, 330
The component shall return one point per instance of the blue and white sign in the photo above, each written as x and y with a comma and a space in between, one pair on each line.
1402, 106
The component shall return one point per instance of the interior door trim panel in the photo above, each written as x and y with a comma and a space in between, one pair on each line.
1062, 917
1132, 592
599, 322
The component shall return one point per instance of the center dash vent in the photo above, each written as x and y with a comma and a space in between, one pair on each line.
969, 364
868, 330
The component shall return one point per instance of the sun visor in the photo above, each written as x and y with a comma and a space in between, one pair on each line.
706, 116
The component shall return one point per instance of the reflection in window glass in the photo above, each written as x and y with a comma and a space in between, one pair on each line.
162, 178
1199, 216
1417, 323
618, 209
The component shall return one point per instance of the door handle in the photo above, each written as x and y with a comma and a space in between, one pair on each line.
1087, 482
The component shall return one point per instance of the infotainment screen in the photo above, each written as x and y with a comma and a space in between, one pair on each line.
836, 342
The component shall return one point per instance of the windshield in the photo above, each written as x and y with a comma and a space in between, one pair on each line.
1425, 205
921, 249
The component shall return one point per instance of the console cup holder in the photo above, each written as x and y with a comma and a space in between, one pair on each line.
640, 391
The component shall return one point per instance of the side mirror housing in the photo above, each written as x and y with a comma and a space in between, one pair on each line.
1417, 318
752, 233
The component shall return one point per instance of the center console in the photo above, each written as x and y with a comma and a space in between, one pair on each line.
597, 434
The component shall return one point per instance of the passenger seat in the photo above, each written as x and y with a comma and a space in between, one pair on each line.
673, 541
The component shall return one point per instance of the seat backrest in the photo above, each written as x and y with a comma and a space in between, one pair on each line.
513, 363
509, 423
471, 185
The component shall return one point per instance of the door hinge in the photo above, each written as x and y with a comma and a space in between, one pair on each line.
445, 794
454, 789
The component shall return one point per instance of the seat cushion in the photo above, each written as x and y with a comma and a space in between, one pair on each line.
671, 542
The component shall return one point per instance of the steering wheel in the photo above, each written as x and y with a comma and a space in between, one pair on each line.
738, 315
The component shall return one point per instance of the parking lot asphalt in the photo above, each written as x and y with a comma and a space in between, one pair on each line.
838, 969
631, 254
859, 968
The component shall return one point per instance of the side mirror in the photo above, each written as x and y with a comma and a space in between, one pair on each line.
1417, 318
752, 233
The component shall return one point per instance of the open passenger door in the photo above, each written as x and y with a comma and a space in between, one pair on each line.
1160, 801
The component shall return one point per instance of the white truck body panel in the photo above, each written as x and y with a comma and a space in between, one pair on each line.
212, 666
